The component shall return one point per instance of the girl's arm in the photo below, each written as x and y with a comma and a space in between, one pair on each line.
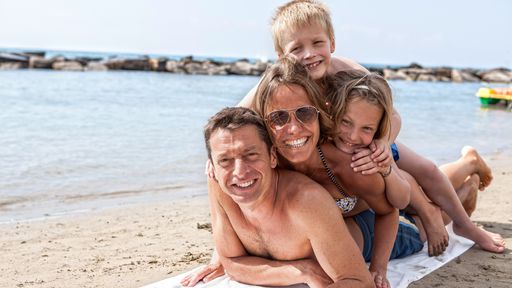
372, 190
398, 189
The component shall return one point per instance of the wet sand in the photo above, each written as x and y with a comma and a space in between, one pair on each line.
136, 245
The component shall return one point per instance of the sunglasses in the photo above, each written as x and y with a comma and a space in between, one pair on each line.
279, 118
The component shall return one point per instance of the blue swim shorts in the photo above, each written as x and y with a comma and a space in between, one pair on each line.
407, 240
394, 151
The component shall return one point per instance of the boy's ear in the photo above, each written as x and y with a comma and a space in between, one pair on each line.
333, 45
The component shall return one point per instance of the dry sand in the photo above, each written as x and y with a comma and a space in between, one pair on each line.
136, 245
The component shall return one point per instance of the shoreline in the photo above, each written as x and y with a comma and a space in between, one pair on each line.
132, 246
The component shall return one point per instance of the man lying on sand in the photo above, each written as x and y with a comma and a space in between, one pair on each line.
266, 216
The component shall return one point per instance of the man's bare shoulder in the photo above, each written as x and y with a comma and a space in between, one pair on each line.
341, 63
302, 193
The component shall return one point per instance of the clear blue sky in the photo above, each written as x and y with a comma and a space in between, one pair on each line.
456, 33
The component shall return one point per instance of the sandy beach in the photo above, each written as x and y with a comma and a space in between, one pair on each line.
136, 245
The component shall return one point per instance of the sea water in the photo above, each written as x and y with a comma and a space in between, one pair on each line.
79, 141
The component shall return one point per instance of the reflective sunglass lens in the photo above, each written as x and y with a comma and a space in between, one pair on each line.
279, 118
306, 114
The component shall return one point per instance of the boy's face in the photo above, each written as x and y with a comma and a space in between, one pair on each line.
311, 46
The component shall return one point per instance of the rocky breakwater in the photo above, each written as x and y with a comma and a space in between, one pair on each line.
185, 65
189, 65
416, 72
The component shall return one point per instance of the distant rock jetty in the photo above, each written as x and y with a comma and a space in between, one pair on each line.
189, 65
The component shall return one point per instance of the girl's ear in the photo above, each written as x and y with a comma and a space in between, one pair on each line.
333, 45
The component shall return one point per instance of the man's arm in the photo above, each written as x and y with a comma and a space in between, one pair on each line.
251, 269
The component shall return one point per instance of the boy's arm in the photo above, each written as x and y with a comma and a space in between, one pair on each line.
248, 98
341, 64
396, 125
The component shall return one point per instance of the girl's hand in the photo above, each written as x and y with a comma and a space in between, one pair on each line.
206, 273
362, 162
381, 152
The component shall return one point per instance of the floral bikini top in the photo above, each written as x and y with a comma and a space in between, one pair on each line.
347, 203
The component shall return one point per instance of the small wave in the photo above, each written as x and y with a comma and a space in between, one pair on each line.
5, 202
123, 193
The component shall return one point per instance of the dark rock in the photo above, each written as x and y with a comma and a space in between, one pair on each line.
187, 59
114, 63
85, 60
136, 64
441, 72
415, 65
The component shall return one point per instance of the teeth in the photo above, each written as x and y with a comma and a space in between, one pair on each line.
245, 184
313, 65
297, 142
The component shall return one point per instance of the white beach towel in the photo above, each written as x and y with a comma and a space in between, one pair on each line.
401, 272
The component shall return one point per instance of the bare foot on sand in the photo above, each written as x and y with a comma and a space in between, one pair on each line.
437, 236
486, 240
482, 169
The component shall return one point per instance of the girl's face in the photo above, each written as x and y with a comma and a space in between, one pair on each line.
358, 126
296, 138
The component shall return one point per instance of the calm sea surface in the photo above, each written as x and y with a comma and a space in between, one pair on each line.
79, 141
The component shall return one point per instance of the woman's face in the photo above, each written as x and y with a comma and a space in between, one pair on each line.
296, 140
358, 126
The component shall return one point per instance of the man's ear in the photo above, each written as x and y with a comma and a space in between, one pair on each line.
333, 45
273, 157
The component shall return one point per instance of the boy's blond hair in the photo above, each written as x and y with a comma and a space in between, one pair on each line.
297, 14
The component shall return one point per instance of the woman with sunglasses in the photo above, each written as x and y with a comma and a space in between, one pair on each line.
293, 109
